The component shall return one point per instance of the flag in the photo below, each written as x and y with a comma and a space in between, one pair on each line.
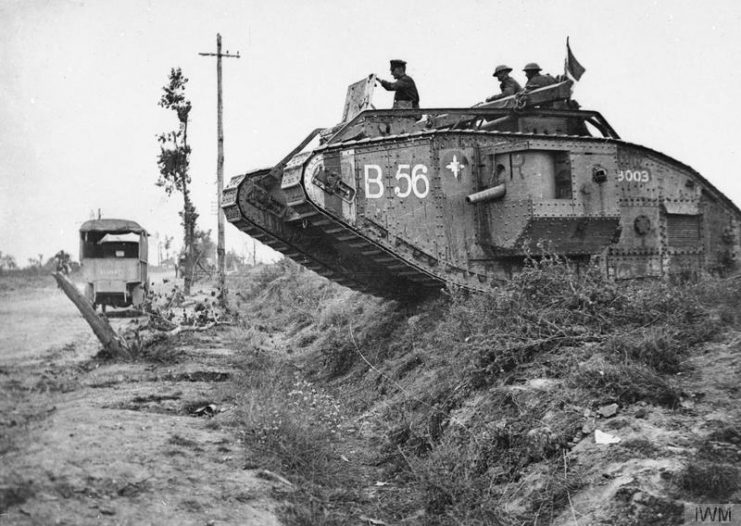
573, 67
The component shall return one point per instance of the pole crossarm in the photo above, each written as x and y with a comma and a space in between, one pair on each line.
227, 54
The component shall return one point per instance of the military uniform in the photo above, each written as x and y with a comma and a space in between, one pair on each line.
406, 91
508, 86
539, 81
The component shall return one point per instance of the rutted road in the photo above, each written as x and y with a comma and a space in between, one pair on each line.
32, 321
90, 442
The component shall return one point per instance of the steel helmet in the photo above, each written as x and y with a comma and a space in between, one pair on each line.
532, 66
501, 68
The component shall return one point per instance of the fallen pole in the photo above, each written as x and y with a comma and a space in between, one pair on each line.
112, 344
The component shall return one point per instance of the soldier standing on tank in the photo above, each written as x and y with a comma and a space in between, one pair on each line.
406, 95
507, 84
534, 79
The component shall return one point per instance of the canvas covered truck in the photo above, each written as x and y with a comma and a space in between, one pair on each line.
113, 255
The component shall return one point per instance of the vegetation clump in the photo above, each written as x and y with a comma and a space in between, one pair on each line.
710, 479
470, 404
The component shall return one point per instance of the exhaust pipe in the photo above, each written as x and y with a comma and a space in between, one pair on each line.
495, 192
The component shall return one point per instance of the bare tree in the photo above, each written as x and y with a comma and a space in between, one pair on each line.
167, 245
173, 162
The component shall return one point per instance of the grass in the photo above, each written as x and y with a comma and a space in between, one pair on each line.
712, 472
15, 281
729, 434
289, 427
285, 421
714, 480
15, 494
625, 383
464, 398
641, 446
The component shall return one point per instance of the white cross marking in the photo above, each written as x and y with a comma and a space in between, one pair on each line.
454, 166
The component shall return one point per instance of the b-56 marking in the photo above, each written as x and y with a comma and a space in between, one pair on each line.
407, 183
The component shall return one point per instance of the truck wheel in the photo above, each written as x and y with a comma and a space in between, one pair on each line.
138, 295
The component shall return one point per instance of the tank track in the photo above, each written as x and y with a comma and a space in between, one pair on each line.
313, 239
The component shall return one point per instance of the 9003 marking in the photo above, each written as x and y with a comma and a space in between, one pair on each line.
415, 182
634, 176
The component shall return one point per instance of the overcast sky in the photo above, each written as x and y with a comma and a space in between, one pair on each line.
80, 81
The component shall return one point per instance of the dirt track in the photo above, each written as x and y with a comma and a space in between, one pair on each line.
35, 321
85, 442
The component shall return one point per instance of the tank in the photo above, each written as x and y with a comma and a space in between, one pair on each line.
402, 202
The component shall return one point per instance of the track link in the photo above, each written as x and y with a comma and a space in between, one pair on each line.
319, 242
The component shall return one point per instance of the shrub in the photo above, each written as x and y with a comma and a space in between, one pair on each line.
657, 347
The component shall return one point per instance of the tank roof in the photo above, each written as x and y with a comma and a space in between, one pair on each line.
116, 226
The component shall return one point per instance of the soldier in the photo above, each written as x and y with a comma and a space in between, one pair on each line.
63, 262
406, 95
534, 79
507, 84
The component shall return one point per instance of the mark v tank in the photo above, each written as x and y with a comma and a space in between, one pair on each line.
402, 202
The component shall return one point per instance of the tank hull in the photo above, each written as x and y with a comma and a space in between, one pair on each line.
389, 215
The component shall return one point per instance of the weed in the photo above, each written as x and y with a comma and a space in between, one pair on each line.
641, 446
721, 445
334, 313
656, 347
282, 424
14, 494
709, 479
559, 484
626, 383
163, 350
338, 356
633, 506
458, 419
306, 339
727, 433
452, 487
177, 440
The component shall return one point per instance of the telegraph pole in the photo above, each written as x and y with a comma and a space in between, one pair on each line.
220, 253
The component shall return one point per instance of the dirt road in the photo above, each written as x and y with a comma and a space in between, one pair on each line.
35, 320
88, 442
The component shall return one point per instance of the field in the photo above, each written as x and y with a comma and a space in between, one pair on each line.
319, 405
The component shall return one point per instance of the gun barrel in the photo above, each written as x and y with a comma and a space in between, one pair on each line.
489, 194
